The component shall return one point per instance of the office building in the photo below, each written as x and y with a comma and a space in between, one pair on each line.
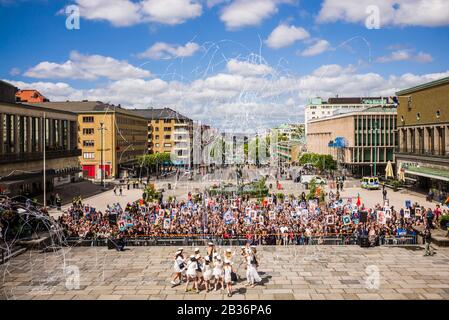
423, 128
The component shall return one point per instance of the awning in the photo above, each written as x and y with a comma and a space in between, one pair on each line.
437, 174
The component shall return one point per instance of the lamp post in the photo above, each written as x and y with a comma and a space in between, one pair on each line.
375, 148
102, 168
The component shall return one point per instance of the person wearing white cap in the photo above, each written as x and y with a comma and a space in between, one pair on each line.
179, 267
211, 252
192, 266
207, 272
227, 269
218, 272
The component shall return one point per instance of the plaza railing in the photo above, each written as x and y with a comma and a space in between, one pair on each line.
269, 240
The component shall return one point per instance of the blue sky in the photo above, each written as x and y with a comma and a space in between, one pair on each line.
219, 59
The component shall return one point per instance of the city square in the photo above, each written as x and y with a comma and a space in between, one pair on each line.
229, 150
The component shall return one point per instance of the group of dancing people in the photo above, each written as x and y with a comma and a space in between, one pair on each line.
215, 270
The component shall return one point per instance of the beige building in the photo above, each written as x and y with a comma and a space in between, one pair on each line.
26, 132
116, 151
423, 127
369, 135
169, 132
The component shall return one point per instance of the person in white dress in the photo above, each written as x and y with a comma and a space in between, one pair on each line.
218, 272
227, 269
207, 272
251, 269
179, 267
199, 270
192, 267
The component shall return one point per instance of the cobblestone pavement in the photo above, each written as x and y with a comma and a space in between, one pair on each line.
290, 272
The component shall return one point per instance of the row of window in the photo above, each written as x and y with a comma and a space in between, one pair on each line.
166, 129
24, 134
156, 137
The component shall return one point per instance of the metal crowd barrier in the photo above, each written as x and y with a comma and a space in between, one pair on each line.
240, 241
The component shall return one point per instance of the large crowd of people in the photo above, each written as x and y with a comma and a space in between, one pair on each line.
293, 220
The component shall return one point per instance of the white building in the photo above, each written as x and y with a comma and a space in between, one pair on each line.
317, 108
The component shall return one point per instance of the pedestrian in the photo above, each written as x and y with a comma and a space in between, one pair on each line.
179, 267
115, 190
218, 273
192, 266
427, 239
120, 191
207, 272
227, 269
384, 193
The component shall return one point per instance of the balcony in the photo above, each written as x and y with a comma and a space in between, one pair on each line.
37, 156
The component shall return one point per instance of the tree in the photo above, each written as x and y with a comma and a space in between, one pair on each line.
319, 161
154, 160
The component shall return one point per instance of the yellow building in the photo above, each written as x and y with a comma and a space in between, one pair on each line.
124, 137
423, 130
169, 132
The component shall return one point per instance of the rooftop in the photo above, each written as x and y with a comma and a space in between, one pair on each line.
369, 110
86, 107
161, 114
423, 86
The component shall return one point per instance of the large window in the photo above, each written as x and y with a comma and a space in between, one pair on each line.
88, 131
89, 155
88, 119
167, 137
88, 143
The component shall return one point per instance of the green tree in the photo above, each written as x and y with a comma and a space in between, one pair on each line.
155, 160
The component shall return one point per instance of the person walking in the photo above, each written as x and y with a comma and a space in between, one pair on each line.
427, 239
179, 267
218, 272
227, 269
120, 191
207, 273
192, 266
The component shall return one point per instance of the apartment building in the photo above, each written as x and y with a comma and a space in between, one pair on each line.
169, 132
30, 96
111, 138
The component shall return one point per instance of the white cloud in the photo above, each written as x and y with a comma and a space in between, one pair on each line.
240, 92
405, 55
245, 68
87, 67
171, 11
122, 13
284, 35
243, 13
317, 48
430, 13
162, 50
55, 91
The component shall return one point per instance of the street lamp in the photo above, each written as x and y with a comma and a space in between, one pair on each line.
102, 168
376, 130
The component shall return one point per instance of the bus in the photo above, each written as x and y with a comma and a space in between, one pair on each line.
370, 183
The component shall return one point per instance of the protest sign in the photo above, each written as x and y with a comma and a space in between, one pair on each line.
407, 213
381, 217
346, 220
